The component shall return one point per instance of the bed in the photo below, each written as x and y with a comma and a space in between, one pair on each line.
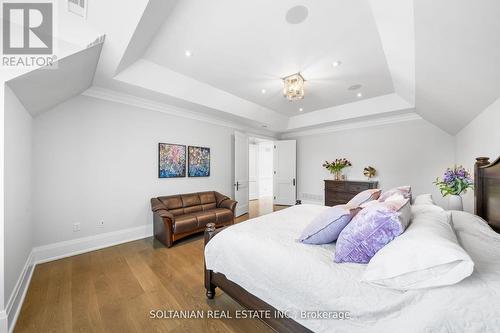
261, 265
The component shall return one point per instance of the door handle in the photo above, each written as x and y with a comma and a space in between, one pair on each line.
294, 182
237, 186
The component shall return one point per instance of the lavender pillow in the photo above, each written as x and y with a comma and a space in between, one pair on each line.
371, 229
363, 197
326, 227
405, 191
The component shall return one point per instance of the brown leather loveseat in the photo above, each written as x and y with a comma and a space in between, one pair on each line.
178, 216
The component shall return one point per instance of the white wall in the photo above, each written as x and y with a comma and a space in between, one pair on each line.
17, 189
480, 138
406, 153
3, 314
98, 161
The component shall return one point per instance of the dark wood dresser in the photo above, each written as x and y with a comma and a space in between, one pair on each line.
339, 192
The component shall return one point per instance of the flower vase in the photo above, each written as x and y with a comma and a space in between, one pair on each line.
338, 175
455, 203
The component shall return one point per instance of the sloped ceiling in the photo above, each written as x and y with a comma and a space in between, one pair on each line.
42, 89
436, 59
457, 60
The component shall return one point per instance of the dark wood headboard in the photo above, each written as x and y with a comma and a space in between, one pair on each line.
487, 190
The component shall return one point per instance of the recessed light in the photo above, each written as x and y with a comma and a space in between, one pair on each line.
265, 126
359, 95
337, 64
297, 14
187, 53
263, 91
301, 109
355, 87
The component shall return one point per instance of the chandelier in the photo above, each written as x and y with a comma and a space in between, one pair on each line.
293, 87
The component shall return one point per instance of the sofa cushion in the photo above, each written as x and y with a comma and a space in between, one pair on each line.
205, 217
172, 202
223, 215
177, 212
185, 223
209, 206
207, 197
192, 209
191, 199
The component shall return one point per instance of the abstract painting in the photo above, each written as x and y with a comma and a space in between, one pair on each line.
171, 160
198, 161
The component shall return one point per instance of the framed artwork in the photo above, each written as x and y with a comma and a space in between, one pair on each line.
171, 160
198, 161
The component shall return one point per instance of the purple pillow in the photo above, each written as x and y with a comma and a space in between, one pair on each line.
371, 229
326, 227
364, 197
405, 191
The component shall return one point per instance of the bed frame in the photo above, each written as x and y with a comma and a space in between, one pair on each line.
487, 191
246, 299
487, 206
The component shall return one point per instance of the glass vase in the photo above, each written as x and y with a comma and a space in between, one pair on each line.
455, 203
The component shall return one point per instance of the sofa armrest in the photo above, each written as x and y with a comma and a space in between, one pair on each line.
163, 226
228, 204
219, 197
166, 218
165, 214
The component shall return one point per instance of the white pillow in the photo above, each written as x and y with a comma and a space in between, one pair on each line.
422, 209
424, 199
426, 255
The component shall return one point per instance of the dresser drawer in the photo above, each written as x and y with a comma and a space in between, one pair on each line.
335, 202
342, 196
334, 185
357, 187
340, 192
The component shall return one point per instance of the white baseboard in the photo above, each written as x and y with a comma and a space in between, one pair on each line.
3, 322
60, 250
312, 202
77, 246
20, 289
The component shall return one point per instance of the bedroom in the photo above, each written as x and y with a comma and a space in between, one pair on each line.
410, 88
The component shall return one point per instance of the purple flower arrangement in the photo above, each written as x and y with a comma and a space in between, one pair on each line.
455, 181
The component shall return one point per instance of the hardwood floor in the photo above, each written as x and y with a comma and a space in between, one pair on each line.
114, 289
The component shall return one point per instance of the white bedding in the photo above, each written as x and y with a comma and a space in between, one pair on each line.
263, 256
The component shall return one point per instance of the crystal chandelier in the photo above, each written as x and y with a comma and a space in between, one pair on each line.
293, 87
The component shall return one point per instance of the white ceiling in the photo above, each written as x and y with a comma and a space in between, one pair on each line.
42, 89
438, 59
457, 59
243, 47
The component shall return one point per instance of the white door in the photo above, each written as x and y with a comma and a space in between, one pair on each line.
285, 170
241, 172
253, 172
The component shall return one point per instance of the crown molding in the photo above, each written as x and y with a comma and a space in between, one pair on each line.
354, 125
131, 100
128, 99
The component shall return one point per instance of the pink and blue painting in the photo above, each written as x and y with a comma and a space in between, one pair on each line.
198, 161
171, 160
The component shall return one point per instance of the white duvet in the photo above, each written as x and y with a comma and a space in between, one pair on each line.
263, 256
